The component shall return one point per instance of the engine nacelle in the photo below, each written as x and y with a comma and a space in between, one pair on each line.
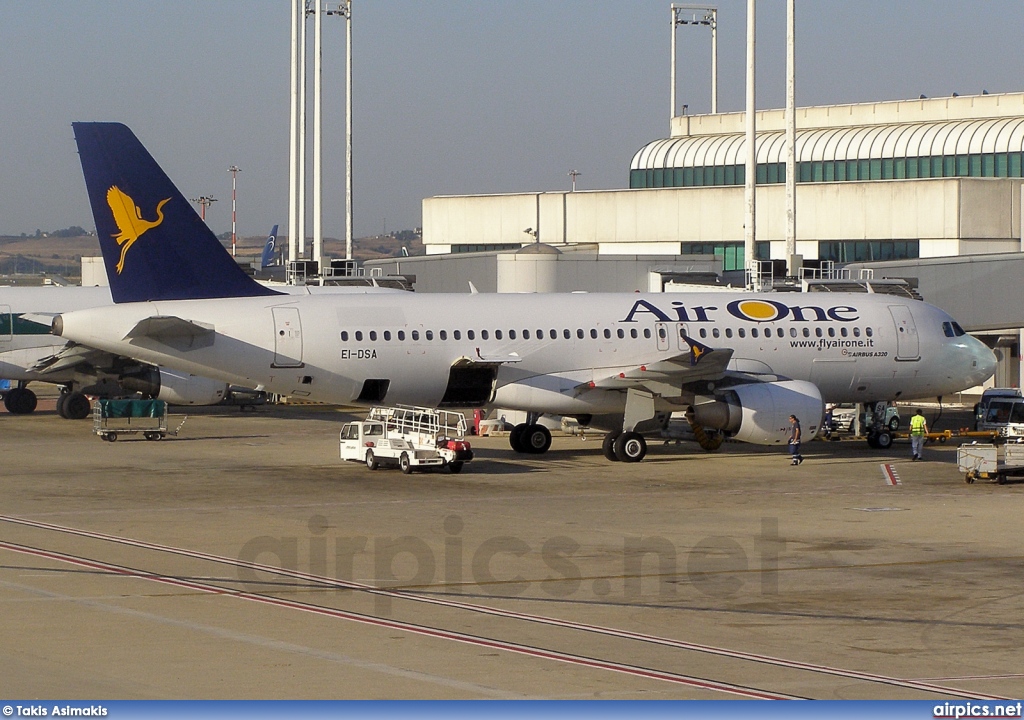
759, 412
176, 388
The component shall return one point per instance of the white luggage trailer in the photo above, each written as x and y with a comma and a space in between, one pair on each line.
411, 437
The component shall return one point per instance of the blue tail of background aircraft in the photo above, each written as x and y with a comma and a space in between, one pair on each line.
269, 249
154, 244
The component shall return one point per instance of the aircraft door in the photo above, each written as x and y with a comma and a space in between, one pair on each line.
681, 333
908, 346
6, 323
287, 337
662, 335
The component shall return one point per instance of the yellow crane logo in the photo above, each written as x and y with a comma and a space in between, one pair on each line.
129, 220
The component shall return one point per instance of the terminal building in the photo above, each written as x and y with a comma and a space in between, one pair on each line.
880, 182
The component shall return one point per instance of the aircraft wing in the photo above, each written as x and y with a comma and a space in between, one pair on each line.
667, 377
70, 356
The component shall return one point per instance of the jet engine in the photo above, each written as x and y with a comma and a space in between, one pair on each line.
759, 412
176, 388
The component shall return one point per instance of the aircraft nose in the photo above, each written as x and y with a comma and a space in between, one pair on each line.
983, 361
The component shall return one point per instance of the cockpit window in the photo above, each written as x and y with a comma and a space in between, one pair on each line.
952, 329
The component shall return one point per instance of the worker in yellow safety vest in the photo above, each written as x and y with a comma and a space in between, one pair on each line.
918, 429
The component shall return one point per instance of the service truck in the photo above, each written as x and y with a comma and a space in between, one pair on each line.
410, 437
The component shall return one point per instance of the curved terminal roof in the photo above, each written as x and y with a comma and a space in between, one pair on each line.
966, 137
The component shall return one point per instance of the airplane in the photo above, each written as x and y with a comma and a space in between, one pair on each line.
741, 363
29, 353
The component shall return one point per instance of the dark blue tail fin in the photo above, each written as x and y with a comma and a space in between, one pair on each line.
154, 245
269, 250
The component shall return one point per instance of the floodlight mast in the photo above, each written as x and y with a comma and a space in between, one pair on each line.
234, 170
697, 15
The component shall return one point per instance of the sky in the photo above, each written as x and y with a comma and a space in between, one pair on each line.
449, 97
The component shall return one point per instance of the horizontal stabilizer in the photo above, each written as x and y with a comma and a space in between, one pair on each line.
168, 327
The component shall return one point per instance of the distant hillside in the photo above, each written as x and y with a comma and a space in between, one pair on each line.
63, 255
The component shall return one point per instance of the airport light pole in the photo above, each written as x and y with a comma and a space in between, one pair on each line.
234, 170
695, 15
574, 174
204, 202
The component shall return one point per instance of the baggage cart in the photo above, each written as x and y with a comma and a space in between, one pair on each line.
112, 418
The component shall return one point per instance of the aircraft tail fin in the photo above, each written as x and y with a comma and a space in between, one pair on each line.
269, 249
154, 244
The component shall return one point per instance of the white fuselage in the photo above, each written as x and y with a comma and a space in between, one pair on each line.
853, 347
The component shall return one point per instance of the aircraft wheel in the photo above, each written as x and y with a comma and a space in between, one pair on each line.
371, 461
455, 467
536, 439
883, 440
405, 464
608, 446
76, 406
515, 438
61, 400
20, 401
630, 447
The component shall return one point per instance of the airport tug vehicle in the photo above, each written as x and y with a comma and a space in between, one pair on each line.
411, 437
999, 459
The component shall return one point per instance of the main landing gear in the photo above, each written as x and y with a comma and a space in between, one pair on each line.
530, 437
20, 401
73, 405
624, 446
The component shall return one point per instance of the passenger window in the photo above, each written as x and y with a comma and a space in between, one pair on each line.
566, 334
593, 334
387, 335
754, 332
807, 332
742, 332
526, 334
869, 332
843, 331
471, 334
484, 335
579, 333
344, 335
359, 335
540, 335
401, 334
728, 332
553, 334
607, 334
792, 332
633, 333
817, 332
703, 333
443, 334
856, 332
647, 333
661, 333
457, 334
831, 332
429, 334
621, 333
373, 335
415, 334
497, 334
511, 334
715, 332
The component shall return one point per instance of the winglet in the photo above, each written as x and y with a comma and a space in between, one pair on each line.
697, 350
472, 288
154, 245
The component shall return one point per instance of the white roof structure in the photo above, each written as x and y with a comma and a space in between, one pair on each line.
965, 137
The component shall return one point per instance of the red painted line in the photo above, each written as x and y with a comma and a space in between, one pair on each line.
516, 648
539, 619
890, 474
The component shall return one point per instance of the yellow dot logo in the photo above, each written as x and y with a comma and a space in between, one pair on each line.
759, 310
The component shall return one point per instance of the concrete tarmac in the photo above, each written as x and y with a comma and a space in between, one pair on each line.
242, 559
